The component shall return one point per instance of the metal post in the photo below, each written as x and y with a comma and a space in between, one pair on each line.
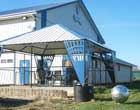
92, 71
105, 76
24, 68
85, 63
131, 74
31, 64
14, 68
100, 69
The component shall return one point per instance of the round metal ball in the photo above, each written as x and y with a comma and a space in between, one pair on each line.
120, 93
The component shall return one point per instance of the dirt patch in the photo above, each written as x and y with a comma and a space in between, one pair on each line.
38, 104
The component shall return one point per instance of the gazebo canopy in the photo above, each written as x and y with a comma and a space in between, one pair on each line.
58, 39
47, 41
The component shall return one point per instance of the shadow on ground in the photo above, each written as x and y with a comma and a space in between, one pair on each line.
8, 102
133, 103
103, 99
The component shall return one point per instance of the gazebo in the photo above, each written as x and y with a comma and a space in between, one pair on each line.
60, 40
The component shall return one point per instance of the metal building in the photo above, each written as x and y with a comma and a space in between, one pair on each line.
56, 40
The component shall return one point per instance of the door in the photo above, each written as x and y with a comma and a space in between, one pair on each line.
24, 72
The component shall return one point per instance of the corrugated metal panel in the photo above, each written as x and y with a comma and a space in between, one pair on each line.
48, 34
119, 61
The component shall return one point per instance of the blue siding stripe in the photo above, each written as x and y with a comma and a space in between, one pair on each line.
43, 18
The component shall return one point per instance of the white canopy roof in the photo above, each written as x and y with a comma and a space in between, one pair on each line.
45, 41
49, 34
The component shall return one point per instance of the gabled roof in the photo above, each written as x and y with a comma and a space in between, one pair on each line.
52, 6
120, 61
52, 37
54, 33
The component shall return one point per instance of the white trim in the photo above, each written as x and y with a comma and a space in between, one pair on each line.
16, 15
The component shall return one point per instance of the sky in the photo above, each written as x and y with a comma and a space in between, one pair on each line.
117, 20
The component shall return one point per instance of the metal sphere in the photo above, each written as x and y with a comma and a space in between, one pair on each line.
120, 93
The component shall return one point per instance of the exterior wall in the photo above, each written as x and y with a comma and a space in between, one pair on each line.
6, 69
19, 57
10, 74
123, 73
65, 16
100, 76
11, 28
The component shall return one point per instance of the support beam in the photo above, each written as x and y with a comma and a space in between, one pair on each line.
109, 65
14, 68
24, 69
100, 69
25, 47
31, 64
45, 49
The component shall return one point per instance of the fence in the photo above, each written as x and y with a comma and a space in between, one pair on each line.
59, 76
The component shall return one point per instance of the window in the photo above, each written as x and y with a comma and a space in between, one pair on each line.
3, 60
6, 60
10, 61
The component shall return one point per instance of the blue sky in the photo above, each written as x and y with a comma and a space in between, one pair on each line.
117, 20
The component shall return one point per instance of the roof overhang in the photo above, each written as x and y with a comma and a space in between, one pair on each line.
48, 41
125, 63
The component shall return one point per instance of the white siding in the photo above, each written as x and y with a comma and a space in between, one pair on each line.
6, 69
9, 29
20, 56
124, 74
64, 15
100, 77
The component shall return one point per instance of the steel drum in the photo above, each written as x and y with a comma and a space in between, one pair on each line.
120, 94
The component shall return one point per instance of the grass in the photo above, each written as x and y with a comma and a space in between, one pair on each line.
102, 101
